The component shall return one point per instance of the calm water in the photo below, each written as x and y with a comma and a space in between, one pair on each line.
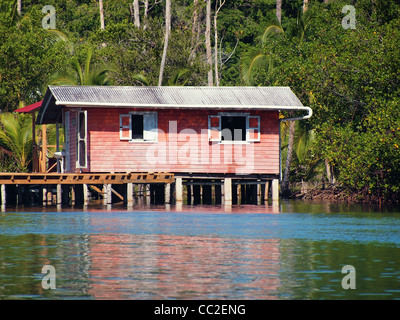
292, 251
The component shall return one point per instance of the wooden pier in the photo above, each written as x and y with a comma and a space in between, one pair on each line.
79, 188
134, 189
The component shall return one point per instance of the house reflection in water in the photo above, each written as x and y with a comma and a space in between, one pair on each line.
125, 266
179, 265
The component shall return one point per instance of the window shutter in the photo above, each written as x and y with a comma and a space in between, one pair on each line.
150, 127
214, 128
125, 127
253, 129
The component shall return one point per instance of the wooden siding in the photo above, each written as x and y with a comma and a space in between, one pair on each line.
182, 145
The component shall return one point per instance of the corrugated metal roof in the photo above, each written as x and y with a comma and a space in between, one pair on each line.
176, 96
166, 97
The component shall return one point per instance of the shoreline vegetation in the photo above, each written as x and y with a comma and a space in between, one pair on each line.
323, 192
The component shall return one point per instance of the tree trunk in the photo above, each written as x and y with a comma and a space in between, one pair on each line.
136, 15
305, 5
329, 173
195, 30
19, 7
166, 39
285, 182
217, 9
101, 15
146, 10
279, 10
208, 44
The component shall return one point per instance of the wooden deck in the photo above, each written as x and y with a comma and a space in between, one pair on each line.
84, 178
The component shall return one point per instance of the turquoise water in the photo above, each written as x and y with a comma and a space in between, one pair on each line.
292, 251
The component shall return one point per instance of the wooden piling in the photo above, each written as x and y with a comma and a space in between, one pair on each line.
228, 191
178, 190
275, 190
3, 196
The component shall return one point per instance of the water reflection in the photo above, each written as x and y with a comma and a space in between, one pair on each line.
164, 266
241, 252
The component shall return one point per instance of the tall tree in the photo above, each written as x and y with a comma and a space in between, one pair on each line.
218, 6
101, 14
136, 15
279, 10
194, 42
210, 80
19, 7
166, 39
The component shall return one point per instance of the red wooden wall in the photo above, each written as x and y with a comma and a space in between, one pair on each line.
177, 151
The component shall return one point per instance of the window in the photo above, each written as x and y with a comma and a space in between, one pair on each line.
233, 128
138, 126
81, 139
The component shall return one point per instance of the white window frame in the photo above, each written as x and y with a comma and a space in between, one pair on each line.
149, 136
79, 139
234, 114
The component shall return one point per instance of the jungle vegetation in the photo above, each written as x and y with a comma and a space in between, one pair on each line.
340, 57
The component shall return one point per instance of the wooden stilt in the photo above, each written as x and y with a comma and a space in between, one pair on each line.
59, 194
266, 191
3, 196
178, 190
167, 193
228, 191
275, 190
129, 194
44, 196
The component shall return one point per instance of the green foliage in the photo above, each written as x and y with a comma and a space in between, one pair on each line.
350, 79
16, 138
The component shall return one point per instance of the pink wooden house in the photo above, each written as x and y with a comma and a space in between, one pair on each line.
193, 132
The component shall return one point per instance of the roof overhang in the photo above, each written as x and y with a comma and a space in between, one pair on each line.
31, 108
215, 98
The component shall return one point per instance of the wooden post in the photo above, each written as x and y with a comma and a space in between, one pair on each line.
73, 196
266, 191
3, 196
178, 190
228, 191
44, 196
167, 193
85, 194
43, 154
275, 190
129, 194
59, 194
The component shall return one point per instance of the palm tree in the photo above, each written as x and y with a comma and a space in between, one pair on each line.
85, 75
16, 138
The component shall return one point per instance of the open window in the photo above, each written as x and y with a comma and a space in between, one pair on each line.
81, 139
138, 127
233, 128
